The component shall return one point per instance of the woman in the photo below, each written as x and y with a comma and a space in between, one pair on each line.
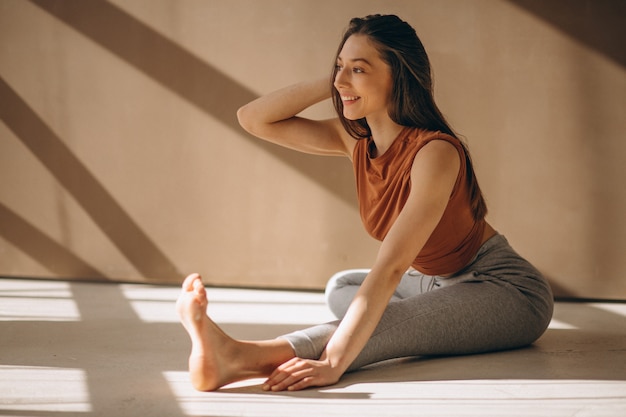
467, 291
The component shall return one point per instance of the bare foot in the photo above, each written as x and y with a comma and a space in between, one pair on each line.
211, 362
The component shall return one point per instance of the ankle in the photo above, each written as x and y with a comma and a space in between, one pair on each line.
203, 377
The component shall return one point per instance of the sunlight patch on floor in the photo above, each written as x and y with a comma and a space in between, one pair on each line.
35, 388
614, 308
24, 300
432, 398
558, 324
227, 305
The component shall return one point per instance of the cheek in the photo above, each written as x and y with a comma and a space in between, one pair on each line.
383, 95
388, 94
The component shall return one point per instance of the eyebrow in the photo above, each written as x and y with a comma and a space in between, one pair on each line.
365, 61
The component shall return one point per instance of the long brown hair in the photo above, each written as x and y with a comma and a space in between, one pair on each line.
412, 101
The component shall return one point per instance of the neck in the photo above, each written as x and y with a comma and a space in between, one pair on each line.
383, 135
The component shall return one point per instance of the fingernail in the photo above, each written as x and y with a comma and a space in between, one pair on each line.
265, 387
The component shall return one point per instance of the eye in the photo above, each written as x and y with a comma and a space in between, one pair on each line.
358, 70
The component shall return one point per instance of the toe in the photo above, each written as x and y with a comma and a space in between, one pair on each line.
188, 284
198, 287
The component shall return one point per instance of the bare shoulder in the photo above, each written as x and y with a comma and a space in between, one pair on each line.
438, 157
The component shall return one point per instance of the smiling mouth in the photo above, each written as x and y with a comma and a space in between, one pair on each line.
349, 98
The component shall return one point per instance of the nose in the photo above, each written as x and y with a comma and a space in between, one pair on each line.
341, 79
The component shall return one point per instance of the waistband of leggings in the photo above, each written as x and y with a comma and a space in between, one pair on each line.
492, 243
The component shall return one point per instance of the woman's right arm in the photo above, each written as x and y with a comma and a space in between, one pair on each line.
273, 117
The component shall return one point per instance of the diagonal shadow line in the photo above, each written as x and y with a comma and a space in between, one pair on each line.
187, 76
98, 379
52, 255
121, 229
106, 317
599, 24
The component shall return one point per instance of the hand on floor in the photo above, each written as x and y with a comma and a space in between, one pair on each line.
297, 374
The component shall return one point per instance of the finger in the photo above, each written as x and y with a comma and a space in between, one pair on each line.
287, 374
292, 379
284, 366
278, 375
281, 381
287, 367
307, 382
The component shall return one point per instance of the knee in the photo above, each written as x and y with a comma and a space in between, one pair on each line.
347, 278
341, 288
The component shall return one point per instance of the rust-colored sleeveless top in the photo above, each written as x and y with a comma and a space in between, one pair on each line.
383, 186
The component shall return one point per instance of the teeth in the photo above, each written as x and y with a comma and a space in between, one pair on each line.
349, 98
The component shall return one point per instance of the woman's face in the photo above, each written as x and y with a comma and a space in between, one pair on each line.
363, 80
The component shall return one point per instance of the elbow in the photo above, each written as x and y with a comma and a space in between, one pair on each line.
245, 118
252, 120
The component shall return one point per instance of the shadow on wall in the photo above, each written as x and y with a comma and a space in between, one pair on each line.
185, 75
599, 24
40, 247
107, 213
176, 69
595, 23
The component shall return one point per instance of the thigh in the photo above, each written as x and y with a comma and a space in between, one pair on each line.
469, 317
343, 286
413, 283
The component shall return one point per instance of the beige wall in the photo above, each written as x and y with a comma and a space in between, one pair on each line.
120, 155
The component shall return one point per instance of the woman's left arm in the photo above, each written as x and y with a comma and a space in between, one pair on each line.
433, 175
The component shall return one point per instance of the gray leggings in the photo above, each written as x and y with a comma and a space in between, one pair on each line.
499, 301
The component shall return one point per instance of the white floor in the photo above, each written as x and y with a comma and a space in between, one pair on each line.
88, 349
